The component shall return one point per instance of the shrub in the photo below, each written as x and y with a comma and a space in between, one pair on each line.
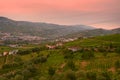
36, 49
51, 71
106, 75
87, 55
102, 49
9, 75
19, 77
117, 77
41, 59
91, 75
26, 74
117, 64
105, 54
81, 75
70, 75
10, 65
118, 50
3, 78
23, 52
68, 54
31, 68
71, 65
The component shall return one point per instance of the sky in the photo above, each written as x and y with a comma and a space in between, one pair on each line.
98, 13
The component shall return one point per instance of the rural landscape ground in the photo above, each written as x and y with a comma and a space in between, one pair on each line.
95, 58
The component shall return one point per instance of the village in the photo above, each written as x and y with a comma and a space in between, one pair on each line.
19, 38
58, 44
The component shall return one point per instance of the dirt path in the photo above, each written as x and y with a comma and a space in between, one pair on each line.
112, 69
62, 66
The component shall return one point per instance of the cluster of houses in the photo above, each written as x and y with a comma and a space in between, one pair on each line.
74, 49
70, 39
66, 40
54, 46
13, 52
60, 42
19, 37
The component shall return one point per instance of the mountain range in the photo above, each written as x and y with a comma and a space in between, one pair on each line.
49, 30
95, 32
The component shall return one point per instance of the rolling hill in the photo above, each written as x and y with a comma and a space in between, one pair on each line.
46, 30
94, 32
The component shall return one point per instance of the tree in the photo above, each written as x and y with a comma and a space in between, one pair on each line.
71, 65
41, 59
26, 74
23, 52
36, 49
88, 55
51, 71
111, 45
117, 64
68, 54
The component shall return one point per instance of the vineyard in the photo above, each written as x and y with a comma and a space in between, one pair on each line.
96, 58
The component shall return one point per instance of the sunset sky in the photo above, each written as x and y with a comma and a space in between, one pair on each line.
97, 13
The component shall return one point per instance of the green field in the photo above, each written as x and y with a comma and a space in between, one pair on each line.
97, 59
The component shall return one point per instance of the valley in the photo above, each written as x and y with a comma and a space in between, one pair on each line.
95, 58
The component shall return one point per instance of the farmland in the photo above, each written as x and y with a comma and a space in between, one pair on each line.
96, 58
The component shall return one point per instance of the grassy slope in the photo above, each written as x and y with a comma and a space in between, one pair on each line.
56, 58
96, 41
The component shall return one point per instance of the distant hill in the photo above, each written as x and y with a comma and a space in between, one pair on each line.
46, 30
96, 41
113, 38
117, 30
94, 32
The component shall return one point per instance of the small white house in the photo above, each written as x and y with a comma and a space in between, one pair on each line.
13, 52
59, 44
74, 49
51, 47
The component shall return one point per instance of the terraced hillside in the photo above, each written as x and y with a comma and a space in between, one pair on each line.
96, 58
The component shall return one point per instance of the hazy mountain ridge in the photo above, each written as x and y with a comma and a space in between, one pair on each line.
117, 30
39, 29
94, 32
49, 30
